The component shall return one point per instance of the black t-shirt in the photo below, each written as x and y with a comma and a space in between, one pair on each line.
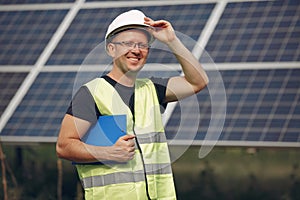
84, 107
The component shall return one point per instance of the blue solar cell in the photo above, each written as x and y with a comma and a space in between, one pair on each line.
272, 136
253, 136
294, 123
291, 136
293, 84
288, 98
235, 136
276, 84
253, 97
277, 123
264, 109
9, 83
296, 110
269, 97
241, 123
258, 84
258, 123
246, 109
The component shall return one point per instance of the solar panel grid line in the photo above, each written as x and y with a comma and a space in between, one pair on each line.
256, 31
231, 50
272, 114
290, 116
243, 98
274, 30
289, 32
281, 29
248, 91
276, 115
257, 105
260, 100
232, 122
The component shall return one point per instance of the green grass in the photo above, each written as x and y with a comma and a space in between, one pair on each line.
225, 173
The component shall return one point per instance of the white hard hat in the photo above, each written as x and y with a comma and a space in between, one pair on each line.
126, 20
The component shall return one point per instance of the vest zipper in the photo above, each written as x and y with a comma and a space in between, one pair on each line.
143, 161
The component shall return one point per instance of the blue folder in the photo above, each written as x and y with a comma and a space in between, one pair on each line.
107, 131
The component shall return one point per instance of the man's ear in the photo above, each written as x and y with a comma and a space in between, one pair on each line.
111, 49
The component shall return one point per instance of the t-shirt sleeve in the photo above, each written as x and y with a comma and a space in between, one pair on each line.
161, 87
83, 106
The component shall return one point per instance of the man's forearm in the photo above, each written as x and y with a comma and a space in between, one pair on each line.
192, 69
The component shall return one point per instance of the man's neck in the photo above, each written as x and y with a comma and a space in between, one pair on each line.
123, 79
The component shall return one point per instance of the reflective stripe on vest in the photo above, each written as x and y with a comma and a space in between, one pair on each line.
125, 177
127, 181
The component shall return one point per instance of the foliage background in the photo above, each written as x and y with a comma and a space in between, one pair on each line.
226, 173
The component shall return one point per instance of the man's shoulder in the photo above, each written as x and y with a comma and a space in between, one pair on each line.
94, 83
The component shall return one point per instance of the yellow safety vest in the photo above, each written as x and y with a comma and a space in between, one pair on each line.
149, 174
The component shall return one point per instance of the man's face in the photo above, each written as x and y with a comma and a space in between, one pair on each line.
129, 50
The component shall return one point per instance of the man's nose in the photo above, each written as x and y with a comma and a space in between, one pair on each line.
135, 48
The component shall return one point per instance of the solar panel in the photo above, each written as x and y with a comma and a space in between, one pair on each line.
262, 104
262, 31
89, 27
43, 107
24, 34
270, 113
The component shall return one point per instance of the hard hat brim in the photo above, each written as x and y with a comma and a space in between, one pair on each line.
144, 28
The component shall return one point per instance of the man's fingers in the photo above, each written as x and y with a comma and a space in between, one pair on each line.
148, 20
127, 137
158, 23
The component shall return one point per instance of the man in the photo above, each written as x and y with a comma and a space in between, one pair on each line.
139, 162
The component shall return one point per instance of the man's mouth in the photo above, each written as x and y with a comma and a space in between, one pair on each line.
134, 59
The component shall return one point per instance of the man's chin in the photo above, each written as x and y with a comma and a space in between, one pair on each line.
135, 68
